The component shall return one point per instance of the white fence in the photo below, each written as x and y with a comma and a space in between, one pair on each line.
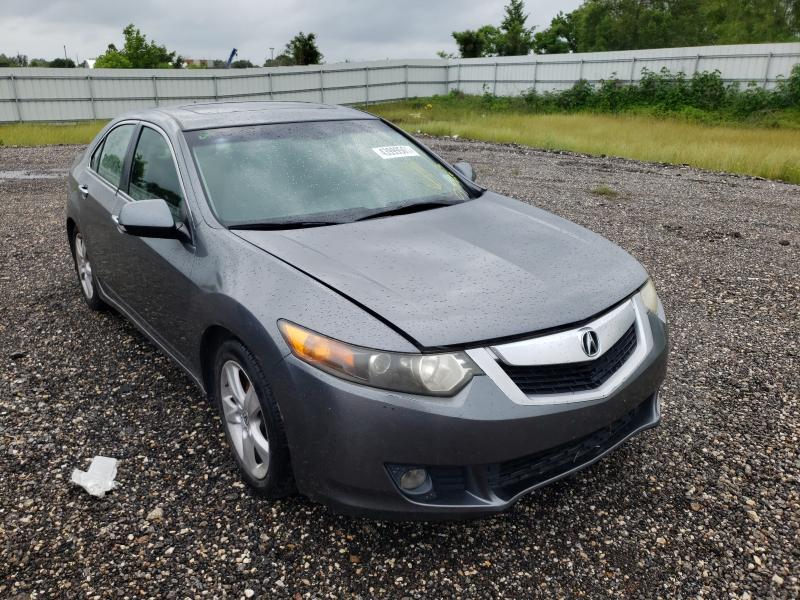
34, 94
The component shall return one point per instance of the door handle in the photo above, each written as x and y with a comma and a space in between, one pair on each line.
84, 190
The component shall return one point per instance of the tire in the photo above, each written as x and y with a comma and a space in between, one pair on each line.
83, 268
251, 420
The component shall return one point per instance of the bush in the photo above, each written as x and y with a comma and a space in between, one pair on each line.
704, 96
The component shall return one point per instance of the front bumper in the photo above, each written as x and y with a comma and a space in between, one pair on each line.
482, 449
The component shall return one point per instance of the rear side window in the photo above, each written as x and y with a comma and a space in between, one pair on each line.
153, 174
112, 155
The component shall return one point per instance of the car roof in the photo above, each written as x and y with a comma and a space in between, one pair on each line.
232, 114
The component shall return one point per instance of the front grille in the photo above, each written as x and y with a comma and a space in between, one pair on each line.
573, 377
511, 477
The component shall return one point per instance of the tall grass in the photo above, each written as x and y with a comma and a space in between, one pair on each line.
765, 152
43, 134
770, 152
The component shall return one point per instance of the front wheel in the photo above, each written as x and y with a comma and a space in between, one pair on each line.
252, 422
83, 267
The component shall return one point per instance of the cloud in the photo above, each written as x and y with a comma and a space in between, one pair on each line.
355, 30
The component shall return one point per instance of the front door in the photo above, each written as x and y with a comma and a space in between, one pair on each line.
153, 276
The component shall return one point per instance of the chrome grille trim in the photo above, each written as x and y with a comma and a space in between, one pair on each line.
487, 359
564, 347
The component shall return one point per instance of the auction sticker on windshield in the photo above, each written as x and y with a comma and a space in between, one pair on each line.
387, 152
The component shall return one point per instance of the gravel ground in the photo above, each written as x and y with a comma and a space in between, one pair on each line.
706, 505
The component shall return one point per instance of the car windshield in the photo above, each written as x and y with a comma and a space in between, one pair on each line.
316, 173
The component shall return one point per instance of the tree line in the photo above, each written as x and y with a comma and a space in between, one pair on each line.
137, 52
595, 26
21, 60
605, 25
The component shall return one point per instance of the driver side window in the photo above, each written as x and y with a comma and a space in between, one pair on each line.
153, 172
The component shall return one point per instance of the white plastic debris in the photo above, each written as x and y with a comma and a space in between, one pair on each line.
99, 479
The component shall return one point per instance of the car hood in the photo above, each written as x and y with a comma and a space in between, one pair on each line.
482, 270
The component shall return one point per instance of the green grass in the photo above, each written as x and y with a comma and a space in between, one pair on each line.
772, 152
766, 146
45, 134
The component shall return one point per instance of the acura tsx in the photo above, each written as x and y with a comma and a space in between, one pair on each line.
378, 332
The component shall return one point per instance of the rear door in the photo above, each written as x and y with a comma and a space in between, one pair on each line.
98, 186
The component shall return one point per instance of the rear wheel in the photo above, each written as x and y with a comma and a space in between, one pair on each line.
83, 267
251, 420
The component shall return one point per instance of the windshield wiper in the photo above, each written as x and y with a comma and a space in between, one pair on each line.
409, 208
277, 225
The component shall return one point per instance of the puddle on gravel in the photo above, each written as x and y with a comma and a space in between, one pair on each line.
18, 175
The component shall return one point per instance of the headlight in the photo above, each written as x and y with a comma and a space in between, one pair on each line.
651, 300
429, 374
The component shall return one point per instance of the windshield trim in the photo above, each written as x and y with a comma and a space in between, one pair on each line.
358, 215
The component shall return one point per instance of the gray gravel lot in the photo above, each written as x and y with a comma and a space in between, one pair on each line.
708, 504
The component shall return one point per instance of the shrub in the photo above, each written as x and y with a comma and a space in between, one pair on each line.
700, 97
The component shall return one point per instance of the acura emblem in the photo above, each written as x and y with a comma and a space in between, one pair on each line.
590, 343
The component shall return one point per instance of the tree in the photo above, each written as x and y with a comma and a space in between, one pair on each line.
602, 25
481, 42
20, 60
112, 59
62, 63
282, 60
303, 49
516, 39
241, 64
559, 38
512, 38
137, 53
470, 43
39, 62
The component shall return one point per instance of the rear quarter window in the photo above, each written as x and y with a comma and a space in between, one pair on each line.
95, 162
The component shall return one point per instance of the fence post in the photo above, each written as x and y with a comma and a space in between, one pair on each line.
494, 89
766, 70
91, 96
406, 81
16, 97
580, 70
696, 64
458, 78
633, 70
216, 87
321, 88
269, 86
535, 68
366, 86
155, 90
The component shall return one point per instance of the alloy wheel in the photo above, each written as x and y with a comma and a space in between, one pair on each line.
244, 419
84, 267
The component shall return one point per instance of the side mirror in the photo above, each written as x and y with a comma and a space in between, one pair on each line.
465, 169
150, 218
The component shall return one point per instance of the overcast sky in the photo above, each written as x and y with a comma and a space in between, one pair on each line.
352, 29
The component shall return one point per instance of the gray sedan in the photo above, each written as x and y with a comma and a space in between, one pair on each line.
379, 332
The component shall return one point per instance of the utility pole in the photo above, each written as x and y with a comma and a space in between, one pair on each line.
65, 52
271, 53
